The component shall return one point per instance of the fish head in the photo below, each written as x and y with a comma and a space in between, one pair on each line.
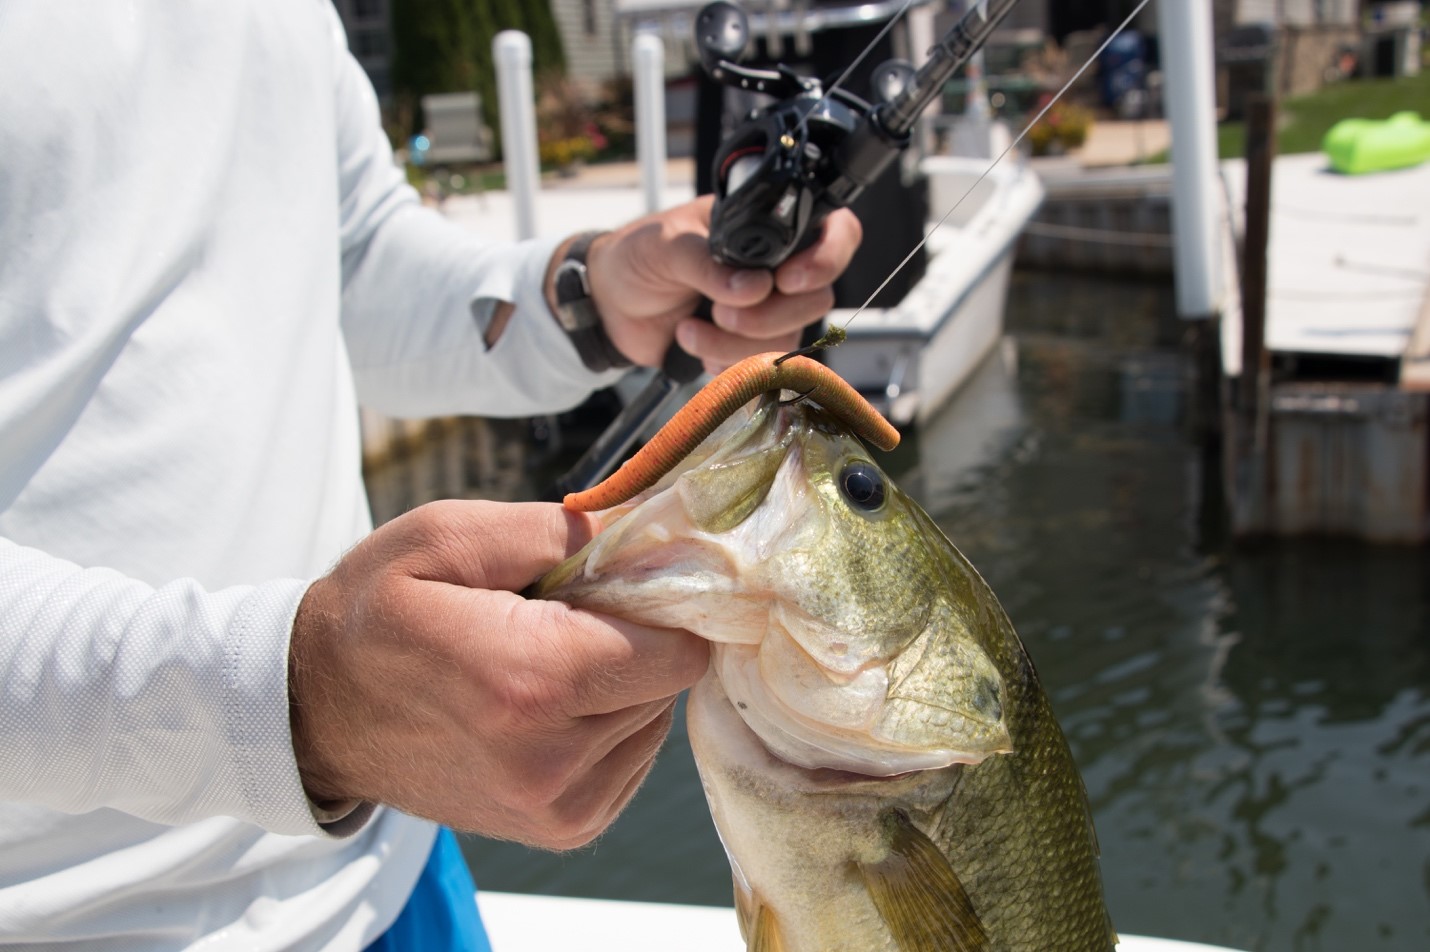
847, 631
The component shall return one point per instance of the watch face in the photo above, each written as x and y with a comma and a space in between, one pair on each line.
570, 283
574, 307
571, 294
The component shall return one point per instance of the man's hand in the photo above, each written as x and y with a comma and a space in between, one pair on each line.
647, 278
420, 680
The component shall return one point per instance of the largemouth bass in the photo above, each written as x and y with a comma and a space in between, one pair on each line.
880, 760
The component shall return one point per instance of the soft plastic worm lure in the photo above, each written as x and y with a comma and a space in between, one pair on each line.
721, 397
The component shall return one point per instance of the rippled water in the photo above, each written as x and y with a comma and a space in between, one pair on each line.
1252, 722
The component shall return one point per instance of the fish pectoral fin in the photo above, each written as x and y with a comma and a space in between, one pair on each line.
918, 895
766, 936
757, 923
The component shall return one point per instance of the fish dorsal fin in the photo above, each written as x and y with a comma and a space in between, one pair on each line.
757, 923
918, 895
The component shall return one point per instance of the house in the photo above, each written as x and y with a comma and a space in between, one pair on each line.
1286, 47
370, 39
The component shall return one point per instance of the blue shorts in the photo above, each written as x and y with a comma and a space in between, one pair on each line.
441, 914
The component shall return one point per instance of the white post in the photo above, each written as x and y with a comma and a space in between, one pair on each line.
920, 21
512, 51
648, 57
1189, 90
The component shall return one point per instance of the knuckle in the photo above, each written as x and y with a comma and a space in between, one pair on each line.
548, 782
576, 826
526, 698
544, 683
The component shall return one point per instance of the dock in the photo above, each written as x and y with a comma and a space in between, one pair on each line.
1349, 261
1338, 440
1340, 446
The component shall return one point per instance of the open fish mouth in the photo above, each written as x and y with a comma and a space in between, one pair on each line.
843, 732
715, 719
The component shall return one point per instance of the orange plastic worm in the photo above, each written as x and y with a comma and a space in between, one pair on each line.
721, 397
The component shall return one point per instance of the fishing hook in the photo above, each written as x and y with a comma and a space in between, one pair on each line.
833, 337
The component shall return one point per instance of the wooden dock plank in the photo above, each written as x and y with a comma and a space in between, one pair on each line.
1348, 256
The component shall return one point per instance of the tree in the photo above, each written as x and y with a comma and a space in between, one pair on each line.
441, 46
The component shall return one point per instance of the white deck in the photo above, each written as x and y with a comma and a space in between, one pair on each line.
559, 211
1348, 262
518, 923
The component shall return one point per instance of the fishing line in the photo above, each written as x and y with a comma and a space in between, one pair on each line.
863, 54
994, 164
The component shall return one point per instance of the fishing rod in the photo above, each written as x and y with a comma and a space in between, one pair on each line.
781, 172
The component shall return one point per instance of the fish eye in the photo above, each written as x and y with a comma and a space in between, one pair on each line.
863, 486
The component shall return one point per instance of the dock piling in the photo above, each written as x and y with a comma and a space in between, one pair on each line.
1249, 429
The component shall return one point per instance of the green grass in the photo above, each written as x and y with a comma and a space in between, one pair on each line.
473, 178
1303, 121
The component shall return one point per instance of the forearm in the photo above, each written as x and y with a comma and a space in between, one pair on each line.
414, 341
413, 283
167, 703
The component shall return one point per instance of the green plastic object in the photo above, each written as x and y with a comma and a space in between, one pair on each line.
1357, 146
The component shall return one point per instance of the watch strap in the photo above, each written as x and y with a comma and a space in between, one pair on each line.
576, 310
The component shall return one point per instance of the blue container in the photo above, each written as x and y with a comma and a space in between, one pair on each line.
1122, 67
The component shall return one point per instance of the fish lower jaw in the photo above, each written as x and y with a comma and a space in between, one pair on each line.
830, 763
801, 743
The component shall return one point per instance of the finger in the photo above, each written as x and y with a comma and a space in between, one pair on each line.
776, 316
603, 733
559, 663
824, 261
687, 263
615, 664
681, 250
594, 801
488, 545
669, 254
719, 348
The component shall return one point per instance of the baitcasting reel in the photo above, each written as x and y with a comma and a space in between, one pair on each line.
789, 164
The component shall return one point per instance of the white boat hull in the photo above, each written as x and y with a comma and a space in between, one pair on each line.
912, 357
520, 923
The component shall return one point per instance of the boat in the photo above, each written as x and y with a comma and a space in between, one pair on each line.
911, 358
1358, 146
526, 923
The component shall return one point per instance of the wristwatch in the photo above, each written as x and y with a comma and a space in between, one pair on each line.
577, 311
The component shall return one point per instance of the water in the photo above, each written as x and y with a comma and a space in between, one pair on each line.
1252, 722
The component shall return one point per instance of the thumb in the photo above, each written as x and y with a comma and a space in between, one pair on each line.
486, 545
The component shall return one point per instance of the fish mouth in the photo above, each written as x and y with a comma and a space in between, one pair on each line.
720, 732
846, 748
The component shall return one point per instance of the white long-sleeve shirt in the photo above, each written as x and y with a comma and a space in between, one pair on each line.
206, 258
